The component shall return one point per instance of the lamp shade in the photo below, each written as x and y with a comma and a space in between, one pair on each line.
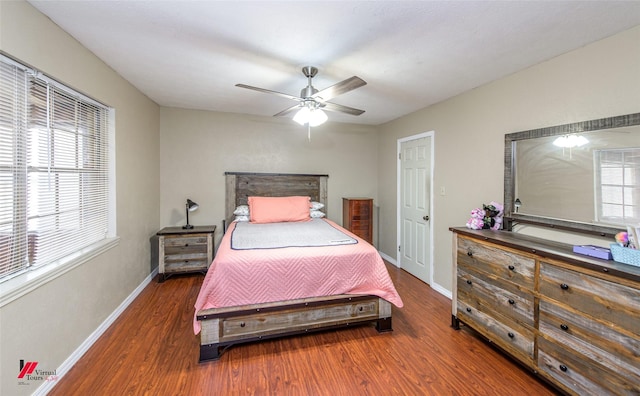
192, 205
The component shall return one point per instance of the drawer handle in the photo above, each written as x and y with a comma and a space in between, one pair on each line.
470, 253
186, 245
564, 286
511, 335
511, 267
563, 368
360, 309
242, 324
469, 281
564, 327
468, 309
511, 301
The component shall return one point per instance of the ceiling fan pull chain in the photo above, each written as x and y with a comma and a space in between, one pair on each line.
309, 131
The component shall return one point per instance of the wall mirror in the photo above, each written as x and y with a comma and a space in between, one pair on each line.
582, 177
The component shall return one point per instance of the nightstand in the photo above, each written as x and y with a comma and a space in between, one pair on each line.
184, 250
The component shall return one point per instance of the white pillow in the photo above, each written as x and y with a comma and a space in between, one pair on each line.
242, 218
316, 205
316, 214
242, 210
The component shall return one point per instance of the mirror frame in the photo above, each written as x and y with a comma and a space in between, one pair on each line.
511, 218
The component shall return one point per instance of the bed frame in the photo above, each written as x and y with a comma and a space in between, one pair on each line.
224, 327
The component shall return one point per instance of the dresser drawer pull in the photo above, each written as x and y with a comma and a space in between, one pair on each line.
564, 286
563, 368
468, 309
564, 327
511, 335
511, 301
242, 324
511, 267
469, 281
470, 253
186, 245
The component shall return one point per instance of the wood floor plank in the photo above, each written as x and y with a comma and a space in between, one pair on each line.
151, 350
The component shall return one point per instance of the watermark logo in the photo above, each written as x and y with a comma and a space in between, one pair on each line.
29, 372
26, 369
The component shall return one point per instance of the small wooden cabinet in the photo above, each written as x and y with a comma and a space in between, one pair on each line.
184, 250
574, 320
357, 217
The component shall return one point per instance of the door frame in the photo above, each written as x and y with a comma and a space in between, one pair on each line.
399, 241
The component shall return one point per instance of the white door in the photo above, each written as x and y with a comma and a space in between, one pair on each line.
414, 201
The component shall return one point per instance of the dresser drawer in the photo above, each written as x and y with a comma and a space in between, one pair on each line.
593, 340
515, 339
497, 261
599, 298
495, 295
580, 376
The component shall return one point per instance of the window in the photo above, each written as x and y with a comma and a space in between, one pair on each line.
54, 170
617, 185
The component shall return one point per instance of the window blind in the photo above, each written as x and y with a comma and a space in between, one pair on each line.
617, 180
54, 170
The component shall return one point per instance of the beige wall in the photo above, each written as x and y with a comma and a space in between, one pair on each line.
599, 80
50, 323
197, 147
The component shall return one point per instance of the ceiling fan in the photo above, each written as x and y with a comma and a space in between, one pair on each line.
311, 102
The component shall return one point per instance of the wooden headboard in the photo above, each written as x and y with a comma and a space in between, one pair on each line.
240, 185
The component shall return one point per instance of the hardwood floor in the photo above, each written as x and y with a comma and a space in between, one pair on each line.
151, 349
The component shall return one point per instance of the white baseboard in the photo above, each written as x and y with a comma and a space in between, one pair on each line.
442, 290
84, 347
388, 258
434, 286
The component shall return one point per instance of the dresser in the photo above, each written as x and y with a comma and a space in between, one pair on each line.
572, 319
357, 217
184, 250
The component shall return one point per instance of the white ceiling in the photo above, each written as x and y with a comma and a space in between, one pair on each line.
190, 54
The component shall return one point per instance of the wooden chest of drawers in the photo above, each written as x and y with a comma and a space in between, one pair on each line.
184, 250
572, 319
357, 217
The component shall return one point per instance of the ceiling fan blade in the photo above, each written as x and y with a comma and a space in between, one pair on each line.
284, 95
287, 111
340, 108
338, 89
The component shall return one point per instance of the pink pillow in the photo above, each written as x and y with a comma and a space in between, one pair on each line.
279, 209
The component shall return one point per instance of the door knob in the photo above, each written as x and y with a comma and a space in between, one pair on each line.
425, 218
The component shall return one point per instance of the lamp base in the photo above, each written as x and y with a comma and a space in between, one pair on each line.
187, 227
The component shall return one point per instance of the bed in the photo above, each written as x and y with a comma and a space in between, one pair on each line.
227, 314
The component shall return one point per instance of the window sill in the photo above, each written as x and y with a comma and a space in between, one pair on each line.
16, 287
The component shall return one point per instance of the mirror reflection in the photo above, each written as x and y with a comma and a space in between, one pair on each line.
588, 177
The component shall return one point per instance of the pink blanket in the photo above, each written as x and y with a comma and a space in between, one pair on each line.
241, 277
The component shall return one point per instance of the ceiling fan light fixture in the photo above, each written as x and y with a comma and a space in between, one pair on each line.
311, 116
302, 116
317, 117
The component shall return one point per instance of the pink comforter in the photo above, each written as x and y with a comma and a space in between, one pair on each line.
240, 277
